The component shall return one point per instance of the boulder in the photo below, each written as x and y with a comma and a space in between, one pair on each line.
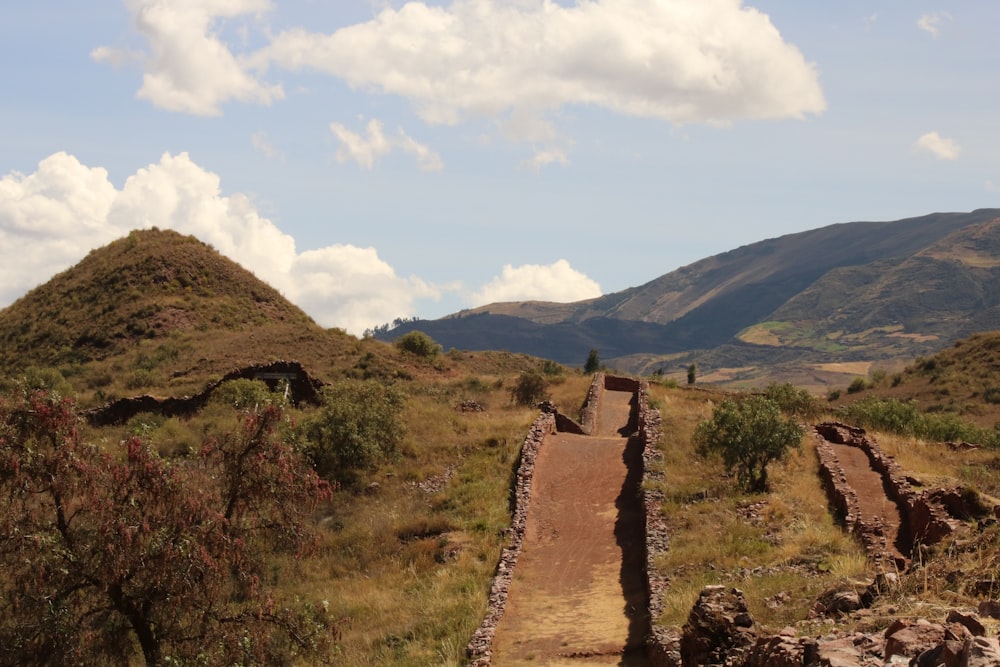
719, 629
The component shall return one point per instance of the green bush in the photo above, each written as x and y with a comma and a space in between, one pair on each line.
529, 389
748, 434
358, 425
905, 418
857, 385
419, 344
792, 400
244, 394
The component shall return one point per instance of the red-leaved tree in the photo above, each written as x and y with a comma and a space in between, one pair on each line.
109, 555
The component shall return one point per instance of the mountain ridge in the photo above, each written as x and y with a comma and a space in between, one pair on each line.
715, 301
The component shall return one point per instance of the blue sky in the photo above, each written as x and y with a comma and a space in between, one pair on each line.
376, 158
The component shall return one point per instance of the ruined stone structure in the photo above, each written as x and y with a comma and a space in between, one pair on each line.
300, 385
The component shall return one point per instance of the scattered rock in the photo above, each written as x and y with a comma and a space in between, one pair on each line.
719, 629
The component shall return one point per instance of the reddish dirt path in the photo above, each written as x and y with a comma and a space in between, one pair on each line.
578, 597
872, 498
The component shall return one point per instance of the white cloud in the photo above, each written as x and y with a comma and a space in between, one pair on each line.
263, 144
188, 67
991, 186
544, 158
365, 150
558, 282
51, 218
938, 146
681, 61
931, 22
676, 60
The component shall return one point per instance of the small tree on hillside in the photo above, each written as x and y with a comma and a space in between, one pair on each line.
692, 373
359, 424
593, 362
748, 434
418, 343
529, 389
109, 557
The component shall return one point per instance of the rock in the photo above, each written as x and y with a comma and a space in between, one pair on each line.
912, 639
946, 654
990, 608
969, 621
981, 652
719, 629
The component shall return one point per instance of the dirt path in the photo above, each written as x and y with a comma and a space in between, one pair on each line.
872, 498
578, 597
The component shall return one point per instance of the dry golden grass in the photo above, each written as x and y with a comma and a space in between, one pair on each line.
781, 548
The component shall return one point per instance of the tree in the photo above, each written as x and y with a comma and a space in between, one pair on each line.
529, 389
418, 343
359, 424
109, 557
593, 362
749, 434
692, 373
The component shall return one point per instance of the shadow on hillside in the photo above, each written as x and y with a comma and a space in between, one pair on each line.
629, 534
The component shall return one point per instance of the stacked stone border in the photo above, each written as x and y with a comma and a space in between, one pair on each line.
480, 647
301, 388
925, 520
649, 424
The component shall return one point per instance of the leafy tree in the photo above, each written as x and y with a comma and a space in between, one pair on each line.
418, 343
529, 389
359, 424
110, 557
749, 434
692, 373
593, 362
792, 400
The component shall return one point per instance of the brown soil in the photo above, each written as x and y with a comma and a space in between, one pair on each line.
578, 596
870, 487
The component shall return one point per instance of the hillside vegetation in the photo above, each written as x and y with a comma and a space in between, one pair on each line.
861, 292
408, 542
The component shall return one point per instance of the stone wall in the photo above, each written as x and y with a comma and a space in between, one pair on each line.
925, 518
480, 648
661, 646
301, 388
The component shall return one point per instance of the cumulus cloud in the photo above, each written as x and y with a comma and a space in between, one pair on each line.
558, 282
938, 146
676, 60
51, 218
188, 67
365, 150
931, 22
681, 61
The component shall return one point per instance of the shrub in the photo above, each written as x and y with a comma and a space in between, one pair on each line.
358, 425
792, 400
132, 559
748, 434
419, 344
529, 389
243, 394
593, 362
857, 385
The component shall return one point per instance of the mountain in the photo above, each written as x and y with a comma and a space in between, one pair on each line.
157, 308
849, 292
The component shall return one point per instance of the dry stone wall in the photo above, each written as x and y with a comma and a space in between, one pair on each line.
479, 649
925, 518
301, 388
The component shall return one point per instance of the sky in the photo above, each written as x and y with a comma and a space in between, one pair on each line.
376, 159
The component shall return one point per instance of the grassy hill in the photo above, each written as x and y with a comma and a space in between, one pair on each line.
784, 308
408, 548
